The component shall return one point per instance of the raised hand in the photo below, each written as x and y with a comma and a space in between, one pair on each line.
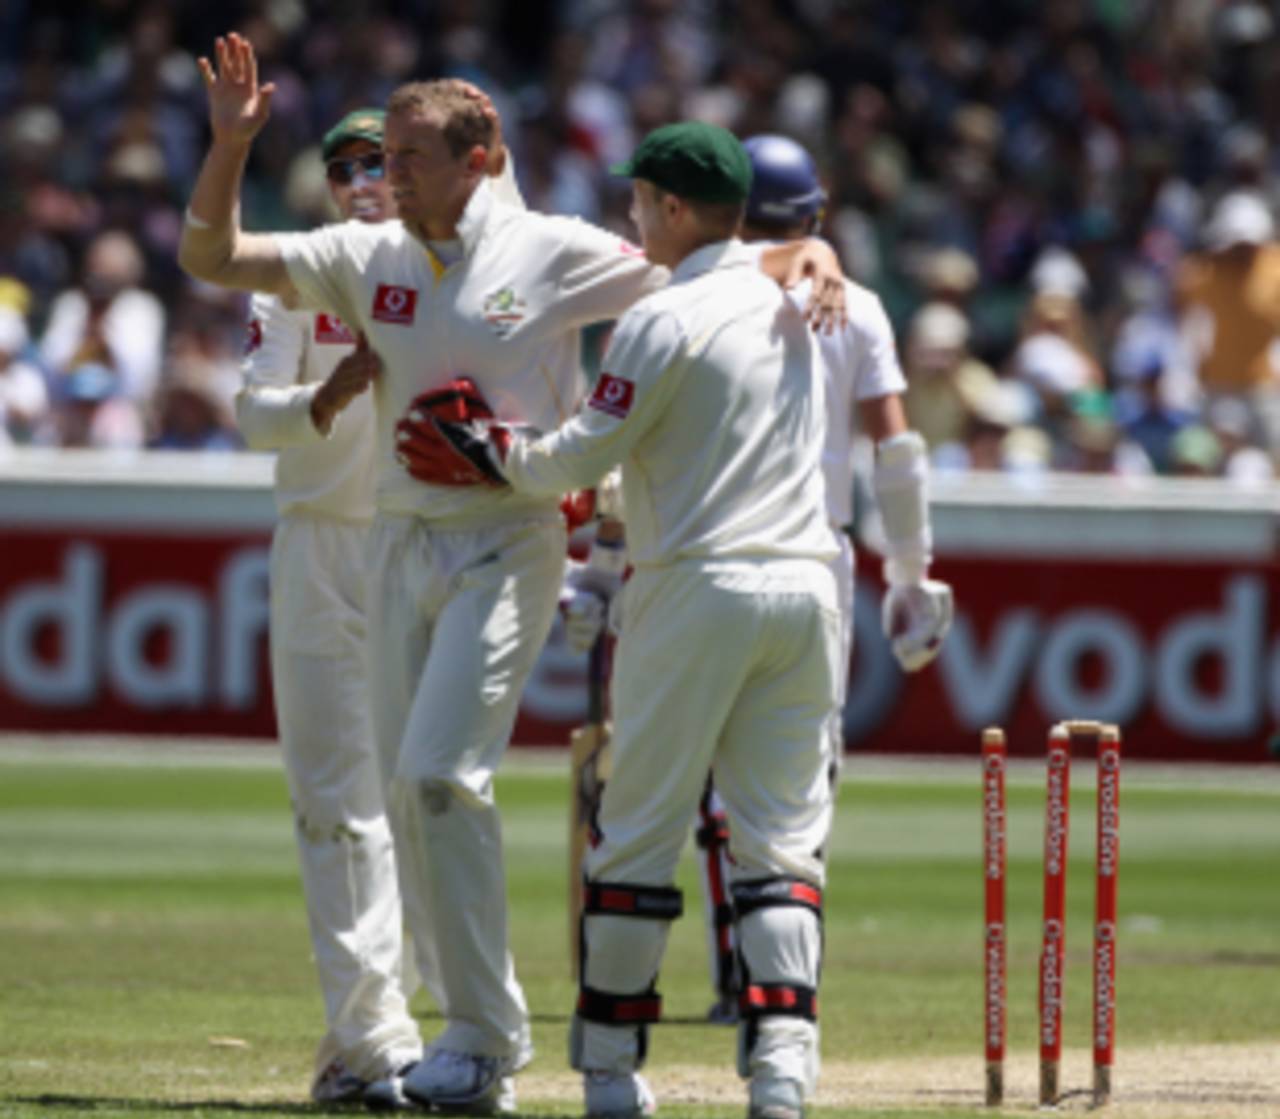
238, 106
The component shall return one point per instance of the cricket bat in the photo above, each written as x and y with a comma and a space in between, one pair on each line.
589, 759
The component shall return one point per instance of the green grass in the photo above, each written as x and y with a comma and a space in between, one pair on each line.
149, 912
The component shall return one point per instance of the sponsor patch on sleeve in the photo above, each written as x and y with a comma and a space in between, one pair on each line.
394, 304
332, 330
613, 395
253, 336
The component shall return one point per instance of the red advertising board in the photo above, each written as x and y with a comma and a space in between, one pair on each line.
164, 633
1183, 655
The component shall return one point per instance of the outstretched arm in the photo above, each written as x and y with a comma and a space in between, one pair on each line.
214, 248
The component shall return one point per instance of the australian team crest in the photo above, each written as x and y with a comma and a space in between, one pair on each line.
503, 311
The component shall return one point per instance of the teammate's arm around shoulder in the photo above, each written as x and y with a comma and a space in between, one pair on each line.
917, 611
213, 247
790, 263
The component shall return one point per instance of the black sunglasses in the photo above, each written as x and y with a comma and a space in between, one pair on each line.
342, 171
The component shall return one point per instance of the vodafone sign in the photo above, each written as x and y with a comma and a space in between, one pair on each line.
133, 599
1185, 658
130, 633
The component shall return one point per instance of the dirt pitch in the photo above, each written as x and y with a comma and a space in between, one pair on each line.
1174, 1082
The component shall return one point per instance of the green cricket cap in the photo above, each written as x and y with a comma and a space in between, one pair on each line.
359, 124
692, 159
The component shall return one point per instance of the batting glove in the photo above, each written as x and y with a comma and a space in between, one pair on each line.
589, 591
916, 618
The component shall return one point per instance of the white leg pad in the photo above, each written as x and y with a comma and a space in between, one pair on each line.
622, 958
780, 944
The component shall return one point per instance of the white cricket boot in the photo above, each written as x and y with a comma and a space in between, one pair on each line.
617, 1095
388, 1094
462, 1083
772, 1098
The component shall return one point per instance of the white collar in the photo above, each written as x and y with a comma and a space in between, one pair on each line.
475, 216
719, 254
471, 225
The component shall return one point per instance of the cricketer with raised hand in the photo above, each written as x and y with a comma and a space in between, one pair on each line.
463, 584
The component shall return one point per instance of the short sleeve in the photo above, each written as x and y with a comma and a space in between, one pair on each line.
879, 372
324, 265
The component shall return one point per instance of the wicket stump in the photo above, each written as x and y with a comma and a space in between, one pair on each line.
1063, 738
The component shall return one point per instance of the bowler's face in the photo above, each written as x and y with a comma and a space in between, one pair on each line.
429, 184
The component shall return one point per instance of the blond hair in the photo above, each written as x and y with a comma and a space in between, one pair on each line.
463, 121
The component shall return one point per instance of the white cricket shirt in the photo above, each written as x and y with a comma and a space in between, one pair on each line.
288, 355
507, 314
860, 362
712, 400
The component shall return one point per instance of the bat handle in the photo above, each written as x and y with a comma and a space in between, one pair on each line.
597, 674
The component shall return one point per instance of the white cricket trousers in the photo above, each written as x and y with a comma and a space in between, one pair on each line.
714, 867
457, 620
321, 681
729, 667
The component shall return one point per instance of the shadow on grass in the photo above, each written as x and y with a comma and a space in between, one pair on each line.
126, 1103
667, 1020
212, 1106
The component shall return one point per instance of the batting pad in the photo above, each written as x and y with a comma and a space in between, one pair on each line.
780, 945
623, 955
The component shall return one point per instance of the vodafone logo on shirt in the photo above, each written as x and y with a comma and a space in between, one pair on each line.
613, 395
394, 304
331, 330
253, 336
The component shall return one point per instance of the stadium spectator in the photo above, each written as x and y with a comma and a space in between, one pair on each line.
1093, 443
1236, 428
1145, 417
1054, 361
1230, 296
946, 385
108, 320
190, 416
88, 412
1058, 147
23, 399
1230, 300
1196, 453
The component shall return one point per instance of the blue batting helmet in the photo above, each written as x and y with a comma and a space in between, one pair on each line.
784, 182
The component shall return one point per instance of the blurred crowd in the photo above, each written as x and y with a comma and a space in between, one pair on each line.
1067, 206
